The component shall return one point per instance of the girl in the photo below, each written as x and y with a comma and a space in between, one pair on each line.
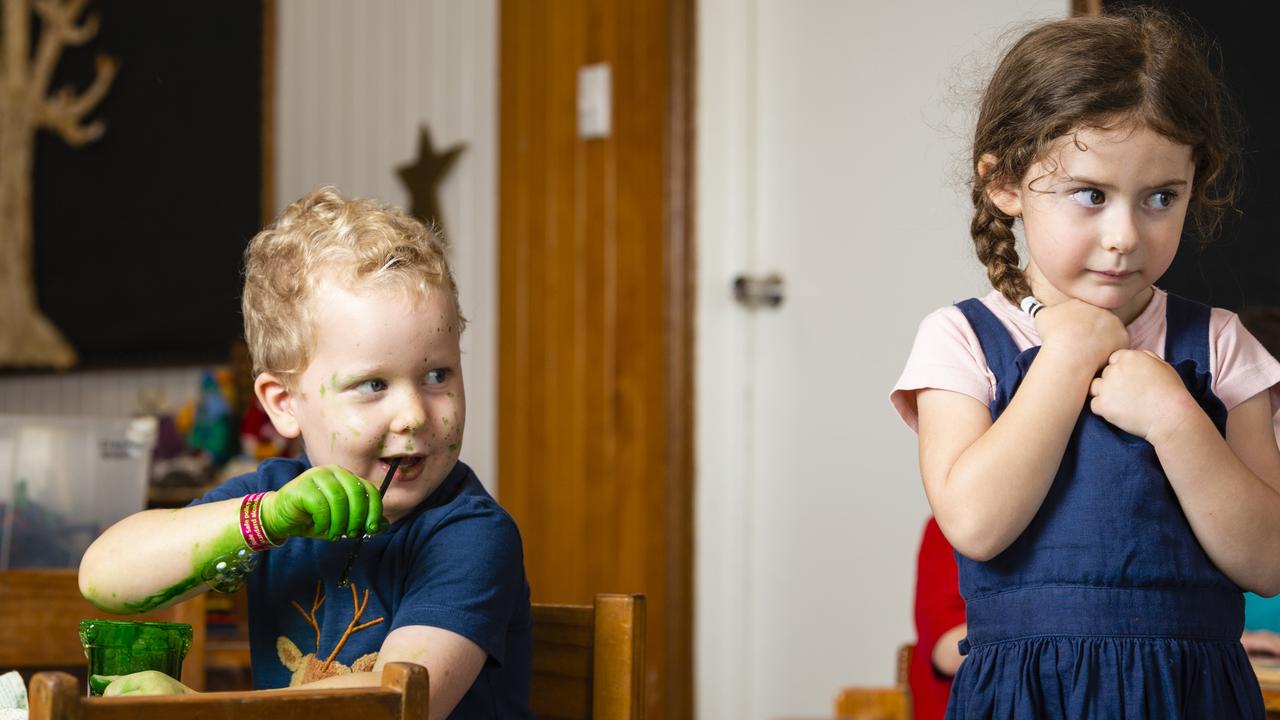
1104, 464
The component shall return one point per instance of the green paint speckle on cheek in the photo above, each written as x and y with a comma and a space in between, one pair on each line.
444, 420
453, 446
321, 389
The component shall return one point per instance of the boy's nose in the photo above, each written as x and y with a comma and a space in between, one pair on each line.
411, 414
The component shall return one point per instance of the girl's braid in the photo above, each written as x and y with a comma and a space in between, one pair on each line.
996, 247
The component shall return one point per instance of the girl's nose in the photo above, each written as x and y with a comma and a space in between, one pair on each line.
411, 413
1121, 233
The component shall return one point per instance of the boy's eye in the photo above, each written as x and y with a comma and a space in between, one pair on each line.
437, 376
371, 386
1162, 199
1089, 197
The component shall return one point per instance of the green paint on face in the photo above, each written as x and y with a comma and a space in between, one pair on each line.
453, 446
444, 420
408, 446
333, 438
321, 389
450, 393
354, 431
382, 443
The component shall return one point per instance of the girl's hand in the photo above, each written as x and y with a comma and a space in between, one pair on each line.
147, 682
1141, 394
323, 502
1083, 329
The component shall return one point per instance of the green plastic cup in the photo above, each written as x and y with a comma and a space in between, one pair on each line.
120, 647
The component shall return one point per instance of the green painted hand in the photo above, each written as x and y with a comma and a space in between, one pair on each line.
147, 682
323, 502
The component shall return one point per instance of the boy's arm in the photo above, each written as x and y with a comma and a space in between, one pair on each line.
159, 557
453, 663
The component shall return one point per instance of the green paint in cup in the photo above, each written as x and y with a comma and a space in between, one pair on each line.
121, 647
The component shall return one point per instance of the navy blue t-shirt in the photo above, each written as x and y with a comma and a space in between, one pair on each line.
454, 562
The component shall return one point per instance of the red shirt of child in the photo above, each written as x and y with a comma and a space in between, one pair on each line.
939, 608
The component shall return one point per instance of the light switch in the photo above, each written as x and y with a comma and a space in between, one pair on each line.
595, 100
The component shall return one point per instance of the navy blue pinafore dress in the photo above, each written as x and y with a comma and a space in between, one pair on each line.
1106, 606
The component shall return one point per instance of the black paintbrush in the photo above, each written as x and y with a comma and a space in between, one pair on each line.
344, 580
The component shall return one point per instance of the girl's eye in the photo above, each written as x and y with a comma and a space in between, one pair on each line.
1089, 197
369, 387
1163, 199
437, 376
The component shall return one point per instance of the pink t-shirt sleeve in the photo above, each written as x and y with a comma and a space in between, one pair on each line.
946, 355
1243, 367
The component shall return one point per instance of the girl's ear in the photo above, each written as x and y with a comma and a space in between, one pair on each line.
1004, 194
277, 399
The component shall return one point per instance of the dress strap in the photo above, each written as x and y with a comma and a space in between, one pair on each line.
997, 346
1187, 331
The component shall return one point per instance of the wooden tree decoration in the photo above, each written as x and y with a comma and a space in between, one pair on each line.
27, 337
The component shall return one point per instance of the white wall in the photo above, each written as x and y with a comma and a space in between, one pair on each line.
354, 82
831, 147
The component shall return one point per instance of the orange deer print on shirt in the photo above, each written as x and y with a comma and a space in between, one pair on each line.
308, 668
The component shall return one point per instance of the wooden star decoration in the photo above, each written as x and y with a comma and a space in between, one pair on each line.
423, 177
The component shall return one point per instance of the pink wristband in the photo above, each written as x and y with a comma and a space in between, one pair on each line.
255, 536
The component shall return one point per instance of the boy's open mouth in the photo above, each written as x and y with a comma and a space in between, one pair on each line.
407, 462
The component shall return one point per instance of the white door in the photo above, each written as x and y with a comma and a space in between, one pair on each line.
832, 150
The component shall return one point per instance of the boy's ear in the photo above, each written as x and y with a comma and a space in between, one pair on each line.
277, 400
1004, 194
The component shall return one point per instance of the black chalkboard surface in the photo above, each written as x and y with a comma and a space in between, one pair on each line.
1242, 266
139, 235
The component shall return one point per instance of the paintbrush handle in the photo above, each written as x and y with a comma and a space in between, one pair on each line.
344, 578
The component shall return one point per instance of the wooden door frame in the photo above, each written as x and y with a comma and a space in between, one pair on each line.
680, 330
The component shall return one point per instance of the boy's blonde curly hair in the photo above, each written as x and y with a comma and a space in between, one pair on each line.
325, 235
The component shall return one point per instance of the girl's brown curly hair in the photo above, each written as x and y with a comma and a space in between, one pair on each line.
1141, 67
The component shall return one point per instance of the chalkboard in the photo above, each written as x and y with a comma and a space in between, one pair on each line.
139, 235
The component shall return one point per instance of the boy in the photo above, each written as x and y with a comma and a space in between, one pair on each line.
352, 320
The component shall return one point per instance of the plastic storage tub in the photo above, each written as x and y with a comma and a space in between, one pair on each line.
63, 480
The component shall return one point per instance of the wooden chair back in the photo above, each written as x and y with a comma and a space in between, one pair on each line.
588, 660
402, 696
880, 703
41, 612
